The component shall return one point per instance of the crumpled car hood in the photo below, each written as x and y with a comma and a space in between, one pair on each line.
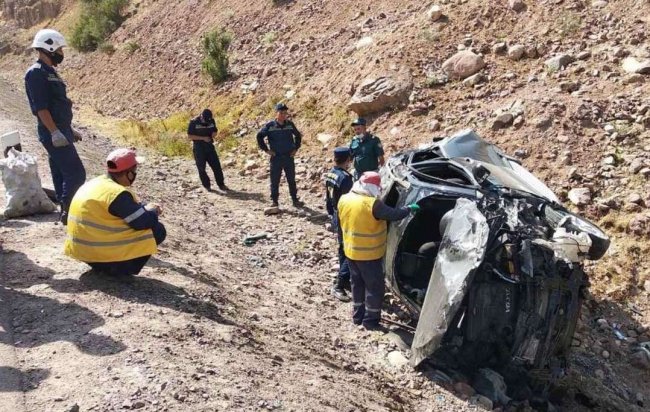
461, 253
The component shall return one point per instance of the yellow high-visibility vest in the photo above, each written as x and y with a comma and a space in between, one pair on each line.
94, 235
364, 237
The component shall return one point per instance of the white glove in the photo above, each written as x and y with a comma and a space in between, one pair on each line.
58, 139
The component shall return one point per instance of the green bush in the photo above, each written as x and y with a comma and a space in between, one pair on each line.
99, 18
215, 46
106, 47
131, 47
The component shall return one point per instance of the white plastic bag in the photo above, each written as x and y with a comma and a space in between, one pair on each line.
24, 194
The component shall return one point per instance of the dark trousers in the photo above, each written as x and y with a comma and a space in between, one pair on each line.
367, 291
205, 153
284, 163
133, 266
343, 278
68, 173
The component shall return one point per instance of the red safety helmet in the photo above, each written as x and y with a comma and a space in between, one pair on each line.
372, 178
122, 159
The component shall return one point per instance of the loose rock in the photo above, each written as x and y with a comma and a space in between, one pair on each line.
580, 196
463, 64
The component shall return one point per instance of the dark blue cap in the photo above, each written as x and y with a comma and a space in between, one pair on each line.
342, 153
280, 107
359, 122
206, 114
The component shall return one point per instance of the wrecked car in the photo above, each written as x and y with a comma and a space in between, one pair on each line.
491, 268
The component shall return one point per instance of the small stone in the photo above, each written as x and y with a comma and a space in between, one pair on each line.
600, 374
636, 165
397, 359
558, 62
138, 405
583, 55
543, 122
517, 5
632, 65
516, 52
434, 125
502, 120
635, 198
598, 4
271, 211
518, 122
609, 129
483, 402
633, 78
605, 354
602, 323
475, 79
73, 408
499, 48
434, 13
641, 359
580, 196
569, 86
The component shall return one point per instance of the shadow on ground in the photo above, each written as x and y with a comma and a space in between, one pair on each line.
15, 380
140, 289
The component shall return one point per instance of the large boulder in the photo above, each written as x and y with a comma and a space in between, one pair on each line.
29, 12
463, 64
379, 93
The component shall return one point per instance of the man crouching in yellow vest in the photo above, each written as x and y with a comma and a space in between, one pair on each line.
107, 226
363, 219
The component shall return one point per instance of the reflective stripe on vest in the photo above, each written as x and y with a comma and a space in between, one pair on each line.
364, 237
95, 235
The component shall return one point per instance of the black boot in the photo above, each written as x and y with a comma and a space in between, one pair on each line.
339, 292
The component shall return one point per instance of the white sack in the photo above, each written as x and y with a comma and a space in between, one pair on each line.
23, 191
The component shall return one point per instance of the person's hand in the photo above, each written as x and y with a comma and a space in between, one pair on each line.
271, 153
58, 139
76, 136
293, 153
414, 207
152, 207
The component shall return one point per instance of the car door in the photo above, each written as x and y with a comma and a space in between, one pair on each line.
461, 253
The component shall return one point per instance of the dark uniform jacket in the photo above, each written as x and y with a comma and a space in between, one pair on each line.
46, 90
366, 152
198, 127
282, 139
338, 182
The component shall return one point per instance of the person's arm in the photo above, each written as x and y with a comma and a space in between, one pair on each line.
328, 202
297, 137
264, 132
194, 138
47, 120
382, 211
134, 214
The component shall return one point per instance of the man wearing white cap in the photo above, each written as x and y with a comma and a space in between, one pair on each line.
49, 102
108, 227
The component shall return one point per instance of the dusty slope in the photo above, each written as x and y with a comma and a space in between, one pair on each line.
210, 324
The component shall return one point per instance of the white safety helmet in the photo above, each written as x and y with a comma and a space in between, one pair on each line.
49, 40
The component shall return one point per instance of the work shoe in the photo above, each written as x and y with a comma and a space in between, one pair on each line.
275, 204
224, 188
339, 293
298, 203
63, 218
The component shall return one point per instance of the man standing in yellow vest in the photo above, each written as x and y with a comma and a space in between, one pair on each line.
108, 228
363, 219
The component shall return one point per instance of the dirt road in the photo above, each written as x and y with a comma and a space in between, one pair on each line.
209, 325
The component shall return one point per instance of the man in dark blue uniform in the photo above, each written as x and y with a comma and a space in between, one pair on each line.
338, 181
49, 102
202, 131
284, 140
366, 149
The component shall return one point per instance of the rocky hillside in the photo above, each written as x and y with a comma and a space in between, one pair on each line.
562, 84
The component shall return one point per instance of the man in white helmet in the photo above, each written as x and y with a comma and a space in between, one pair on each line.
49, 102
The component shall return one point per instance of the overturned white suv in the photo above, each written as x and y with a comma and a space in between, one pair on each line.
491, 268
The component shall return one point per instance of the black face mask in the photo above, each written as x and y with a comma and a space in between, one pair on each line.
131, 177
56, 58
